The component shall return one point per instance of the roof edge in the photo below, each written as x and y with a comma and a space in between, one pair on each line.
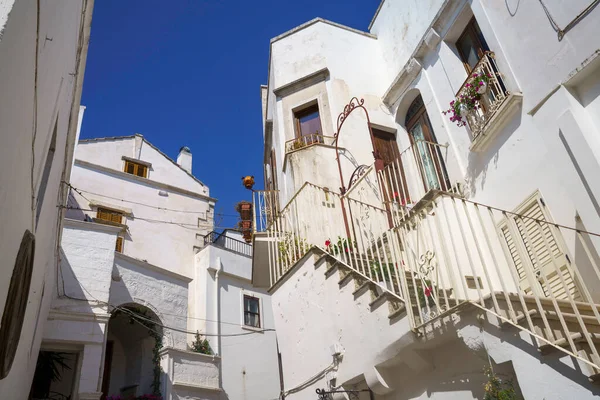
325, 21
376, 15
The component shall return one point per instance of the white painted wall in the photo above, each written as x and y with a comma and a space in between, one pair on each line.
249, 363
23, 151
162, 237
549, 144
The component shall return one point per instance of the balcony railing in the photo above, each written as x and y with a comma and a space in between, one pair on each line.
419, 169
307, 140
225, 242
447, 255
491, 100
265, 208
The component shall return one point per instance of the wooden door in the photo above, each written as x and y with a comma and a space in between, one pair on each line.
427, 154
395, 186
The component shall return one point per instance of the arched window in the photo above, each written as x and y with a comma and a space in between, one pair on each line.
427, 151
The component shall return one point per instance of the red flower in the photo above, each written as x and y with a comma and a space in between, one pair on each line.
327, 243
428, 291
346, 249
395, 195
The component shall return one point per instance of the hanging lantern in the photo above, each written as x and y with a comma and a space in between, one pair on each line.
248, 182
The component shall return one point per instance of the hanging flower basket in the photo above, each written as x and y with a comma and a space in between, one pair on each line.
248, 182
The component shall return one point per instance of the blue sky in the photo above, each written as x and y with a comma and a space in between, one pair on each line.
188, 72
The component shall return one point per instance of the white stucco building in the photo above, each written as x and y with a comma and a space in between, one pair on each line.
407, 251
43, 50
140, 264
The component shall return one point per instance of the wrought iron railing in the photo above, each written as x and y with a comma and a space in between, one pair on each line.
491, 100
223, 241
307, 140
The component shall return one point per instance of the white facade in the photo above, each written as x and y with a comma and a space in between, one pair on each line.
43, 49
539, 146
250, 368
148, 257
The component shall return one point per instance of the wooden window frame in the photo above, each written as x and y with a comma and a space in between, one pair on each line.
119, 244
102, 211
304, 111
470, 30
257, 299
136, 169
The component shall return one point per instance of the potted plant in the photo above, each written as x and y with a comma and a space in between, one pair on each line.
298, 144
245, 210
426, 297
200, 345
498, 389
469, 100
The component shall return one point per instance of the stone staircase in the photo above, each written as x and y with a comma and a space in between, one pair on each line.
381, 296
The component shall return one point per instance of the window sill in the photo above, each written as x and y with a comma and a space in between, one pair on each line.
105, 222
498, 121
253, 329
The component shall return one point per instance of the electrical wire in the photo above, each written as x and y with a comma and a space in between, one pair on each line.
79, 190
561, 32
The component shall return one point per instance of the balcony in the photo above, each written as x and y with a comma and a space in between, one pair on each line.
225, 242
494, 104
305, 141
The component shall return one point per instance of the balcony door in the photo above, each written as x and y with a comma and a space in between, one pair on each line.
426, 150
471, 45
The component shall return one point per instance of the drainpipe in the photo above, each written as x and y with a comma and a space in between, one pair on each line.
218, 305
218, 268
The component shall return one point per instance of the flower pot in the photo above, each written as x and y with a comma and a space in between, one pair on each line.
482, 88
463, 110
246, 225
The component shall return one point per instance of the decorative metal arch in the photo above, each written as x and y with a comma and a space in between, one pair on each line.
354, 104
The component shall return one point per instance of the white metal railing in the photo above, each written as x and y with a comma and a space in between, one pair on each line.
419, 169
491, 100
265, 205
449, 252
453, 252
307, 140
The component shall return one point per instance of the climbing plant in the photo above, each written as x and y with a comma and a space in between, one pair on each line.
498, 389
139, 315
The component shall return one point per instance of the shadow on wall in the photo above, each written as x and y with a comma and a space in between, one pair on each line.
70, 288
479, 162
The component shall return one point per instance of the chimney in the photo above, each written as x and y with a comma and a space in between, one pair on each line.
184, 159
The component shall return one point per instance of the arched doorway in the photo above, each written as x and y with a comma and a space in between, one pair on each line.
427, 151
131, 362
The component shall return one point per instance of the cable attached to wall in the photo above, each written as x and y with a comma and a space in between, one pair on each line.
561, 32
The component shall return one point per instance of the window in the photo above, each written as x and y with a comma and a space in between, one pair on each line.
109, 215
136, 169
308, 124
471, 45
119, 244
16, 303
427, 152
251, 311
535, 249
46, 174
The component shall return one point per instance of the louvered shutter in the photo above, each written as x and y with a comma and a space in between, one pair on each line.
543, 256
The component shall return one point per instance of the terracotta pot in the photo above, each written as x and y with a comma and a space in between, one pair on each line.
246, 225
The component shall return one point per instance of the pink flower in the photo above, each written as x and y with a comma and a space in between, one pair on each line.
428, 291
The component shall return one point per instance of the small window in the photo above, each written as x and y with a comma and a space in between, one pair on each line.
134, 168
251, 311
119, 244
109, 215
308, 123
